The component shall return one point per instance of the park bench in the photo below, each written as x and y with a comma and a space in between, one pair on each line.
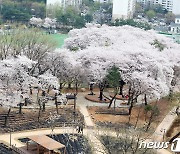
71, 96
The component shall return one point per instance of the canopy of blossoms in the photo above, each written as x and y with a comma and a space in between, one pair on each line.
149, 61
142, 56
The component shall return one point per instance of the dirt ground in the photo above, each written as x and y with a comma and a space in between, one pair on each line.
175, 129
164, 107
29, 118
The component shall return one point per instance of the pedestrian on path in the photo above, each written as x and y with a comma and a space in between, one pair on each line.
81, 129
77, 128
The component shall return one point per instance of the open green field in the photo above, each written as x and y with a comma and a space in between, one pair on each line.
59, 38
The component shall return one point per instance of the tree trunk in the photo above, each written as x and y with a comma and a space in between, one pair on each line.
43, 93
91, 89
101, 89
130, 109
74, 108
69, 85
6, 117
121, 85
44, 107
137, 118
30, 91
129, 96
48, 89
5, 121
145, 99
25, 101
60, 88
76, 88
39, 114
111, 101
149, 122
170, 94
131, 106
177, 111
136, 99
121, 91
115, 106
101, 95
56, 103
57, 108
20, 108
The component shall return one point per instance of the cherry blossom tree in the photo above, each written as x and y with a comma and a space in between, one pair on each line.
96, 67
146, 69
14, 80
60, 64
37, 22
49, 23
46, 23
88, 54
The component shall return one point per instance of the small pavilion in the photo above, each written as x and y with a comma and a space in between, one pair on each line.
42, 144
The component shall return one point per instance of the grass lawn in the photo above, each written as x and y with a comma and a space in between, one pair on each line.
59, 38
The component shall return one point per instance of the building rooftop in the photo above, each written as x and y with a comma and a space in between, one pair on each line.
174, 25
178, 16
46, 142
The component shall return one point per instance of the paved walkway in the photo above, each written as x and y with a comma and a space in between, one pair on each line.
157, 135
98, 147
164, 126
91, 134
87, 117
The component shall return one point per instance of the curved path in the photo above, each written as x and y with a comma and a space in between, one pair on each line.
165, 125
156, 136
90, 132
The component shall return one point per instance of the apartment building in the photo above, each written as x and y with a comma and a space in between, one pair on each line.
170, 5
167, 4
104, 1
143, 1
123, 9
176, 7
64, 3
